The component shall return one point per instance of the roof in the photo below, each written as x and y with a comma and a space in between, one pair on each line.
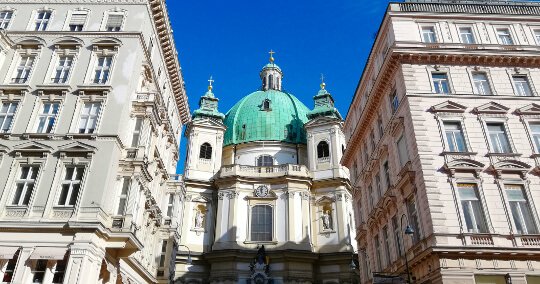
248, 121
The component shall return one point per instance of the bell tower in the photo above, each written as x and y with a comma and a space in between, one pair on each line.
271, 75
205, 139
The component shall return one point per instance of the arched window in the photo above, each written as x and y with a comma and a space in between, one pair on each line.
266, 104
261, 223
265, 161
323, 151
270, 81
206, 151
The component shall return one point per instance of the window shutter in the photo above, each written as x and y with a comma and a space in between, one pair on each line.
78, 19
115, 20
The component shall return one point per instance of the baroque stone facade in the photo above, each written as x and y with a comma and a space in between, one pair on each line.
443, 138
91, 107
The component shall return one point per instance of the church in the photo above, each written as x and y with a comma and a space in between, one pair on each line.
267, 200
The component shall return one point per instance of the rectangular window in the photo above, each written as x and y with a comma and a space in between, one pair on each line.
59, 272
386, 170
466, 35
498, 137
372, 140
170, 206
397, 235
163, 254
71, 184
414, 219
504, 36
47, 117
371, 197
261, 223
114, 23
440, 83
380, 126
76, 23
103, 67
89, 117
24, 185
521, 209
38, 270
7, 112
472, 208
5, 18
386, 245
378, 184
42, 20
63, 68
10, 268
535, 135
537, 36
23, 70
394, 102
522, 86
428, 34
378, 252
402, 151
481, 83
122, 199
136, 132
455, 139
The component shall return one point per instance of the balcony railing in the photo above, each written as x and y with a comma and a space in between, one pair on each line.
269, 171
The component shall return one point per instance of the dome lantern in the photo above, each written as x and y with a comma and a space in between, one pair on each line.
271, 75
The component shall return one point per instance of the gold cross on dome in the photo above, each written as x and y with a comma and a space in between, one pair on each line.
323, 85
210, 81
271, 55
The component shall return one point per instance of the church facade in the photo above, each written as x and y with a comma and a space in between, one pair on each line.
267, 200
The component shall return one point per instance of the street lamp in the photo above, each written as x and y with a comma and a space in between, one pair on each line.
188, 261
408, 231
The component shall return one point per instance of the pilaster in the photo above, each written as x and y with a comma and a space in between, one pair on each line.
84, 264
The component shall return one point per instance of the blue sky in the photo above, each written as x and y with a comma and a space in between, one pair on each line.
230, 40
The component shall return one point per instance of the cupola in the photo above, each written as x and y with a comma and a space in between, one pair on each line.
271, 75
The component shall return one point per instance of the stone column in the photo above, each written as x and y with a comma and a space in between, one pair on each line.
22, 269
84, 264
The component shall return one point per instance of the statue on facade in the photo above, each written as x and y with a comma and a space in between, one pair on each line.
199, 219
327, 220
260, 268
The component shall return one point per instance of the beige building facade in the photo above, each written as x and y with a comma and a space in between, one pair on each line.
444, 144
91, 107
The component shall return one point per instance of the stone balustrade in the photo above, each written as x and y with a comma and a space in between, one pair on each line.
264, 172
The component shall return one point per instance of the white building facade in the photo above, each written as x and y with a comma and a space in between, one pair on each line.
443, 139
91, 107
266, 198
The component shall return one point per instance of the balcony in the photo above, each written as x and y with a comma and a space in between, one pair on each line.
264, 172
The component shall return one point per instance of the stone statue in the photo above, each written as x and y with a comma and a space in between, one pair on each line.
326, 220
199, 219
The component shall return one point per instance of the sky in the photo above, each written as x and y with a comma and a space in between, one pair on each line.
230, 41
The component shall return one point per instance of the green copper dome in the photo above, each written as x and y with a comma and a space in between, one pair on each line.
266, 115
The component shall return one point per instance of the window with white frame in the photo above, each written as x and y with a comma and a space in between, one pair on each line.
39, 268
535, 135
504, 36
378, 252
205, 151
102, 69
42, 20
89, 117
261, 223
402, 151
22, 73
265, 161
7, 113
71, 185
123, 196
386, 239
323, 150
9, 270
59, 271
77, 21
397, 235
162, 258
47, 117
428, 34
455, 139
135, 139
440, 83
394, 102
414, 220
481, 83
471, 207
24, 185
170, 205
386, 170
114, 22
521, 209
63, 69
466, 35
498, 137
537, 35
5, 19
521, 85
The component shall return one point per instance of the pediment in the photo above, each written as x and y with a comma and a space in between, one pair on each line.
529, 109
200, 199
511, 165
448, 106
321, 120
464, 164
207, 122
76, 147
491, 107
32, 147
325, 199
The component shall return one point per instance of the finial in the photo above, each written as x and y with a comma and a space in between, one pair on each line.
323, 85
271, 56
210, 81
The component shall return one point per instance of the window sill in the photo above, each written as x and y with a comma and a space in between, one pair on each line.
492, 154
261, 242
71, 136
95, 87
54, 87
466, 153
16, 87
